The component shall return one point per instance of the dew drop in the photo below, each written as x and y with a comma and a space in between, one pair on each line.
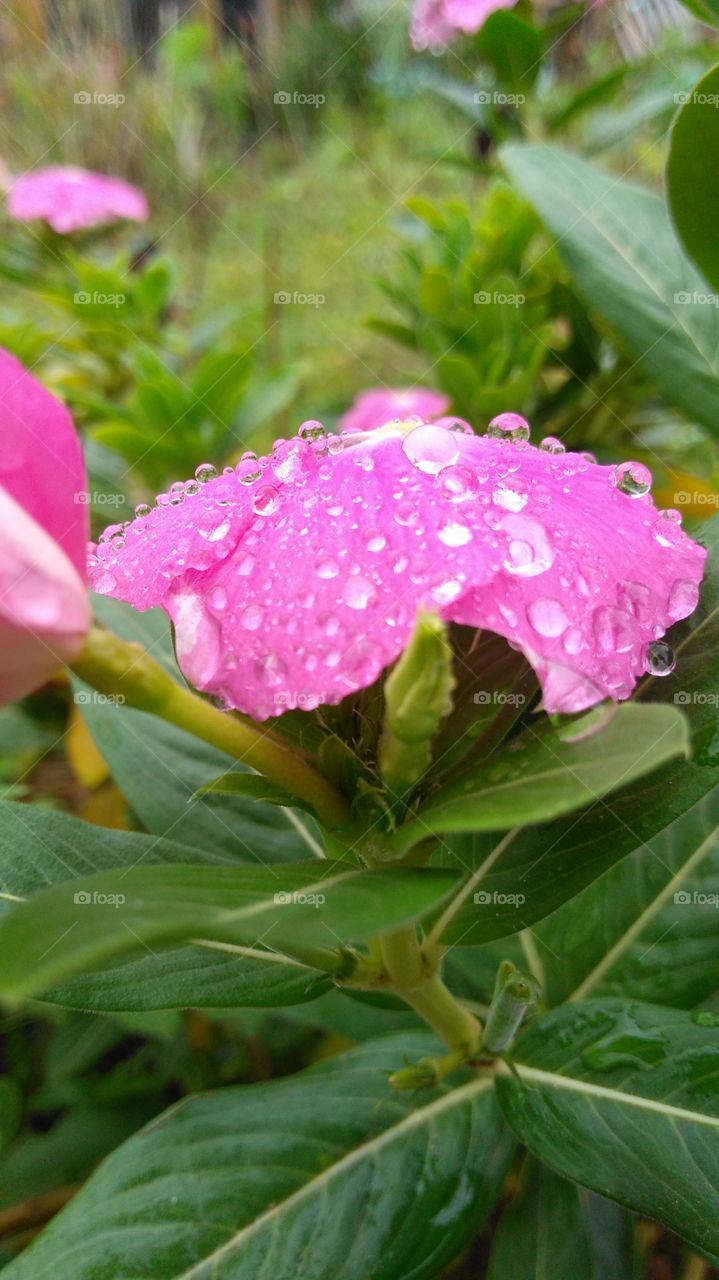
105, 583
217, 598
510, 494
358, 592
311, 430
430, 449
552, 444
632, 478
142, 509
659, 658
509, 426
547, 617
252, 617
378, 543
266, 500
327, 568
683, 599
205, 472
457, 484
454, 535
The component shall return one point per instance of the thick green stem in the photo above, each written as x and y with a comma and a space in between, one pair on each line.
117, 667
456, 1026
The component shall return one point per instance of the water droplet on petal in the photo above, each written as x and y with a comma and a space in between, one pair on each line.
358, 592
548, 617
632, 478
104, 583
511, 494
529, 552
252, 617
378, 543
431, 449
552, 444
266, 500
509, 426
683, 600
311, 430
672, 514
327, 568
659, 658
454, 535
457, 484
142, 509
217, 598
205, 472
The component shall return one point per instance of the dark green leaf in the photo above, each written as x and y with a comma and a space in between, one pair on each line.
624, 1098
548, 1233
513, 48
315, 907
693, 174
544, 775
327, 1174
618, 242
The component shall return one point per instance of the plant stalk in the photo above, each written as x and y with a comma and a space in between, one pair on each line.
117, 667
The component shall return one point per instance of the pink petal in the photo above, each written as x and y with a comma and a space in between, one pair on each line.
373, 408
41, 464
436, 23
300, 585
71, 199
44, 611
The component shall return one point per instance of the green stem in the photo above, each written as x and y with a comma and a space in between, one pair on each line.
435, 1003
118, 667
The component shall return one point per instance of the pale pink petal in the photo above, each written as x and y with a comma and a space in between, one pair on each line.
41, 462
470, 15
44, 611
435, 23
373, 408
299, 585
70, 199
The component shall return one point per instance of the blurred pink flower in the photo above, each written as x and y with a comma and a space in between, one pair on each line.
436, 23
296, 579
70, 199
373, 408
44, 612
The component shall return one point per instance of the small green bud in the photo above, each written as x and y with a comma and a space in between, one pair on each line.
514, 994
418, 695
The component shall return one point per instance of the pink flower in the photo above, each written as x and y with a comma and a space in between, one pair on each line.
296, 579
44, 612
71, 199
436, 23
373, 408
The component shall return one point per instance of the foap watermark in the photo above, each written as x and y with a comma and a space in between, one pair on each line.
94, 98
695, 297
89, 698
695, 698
701, 99
86, 898
96, 299
98, 499
285, 98
483, 898
297, 699
297, 898
495, 698
695, 898
283, 298
486, 98
485, 297
684, 498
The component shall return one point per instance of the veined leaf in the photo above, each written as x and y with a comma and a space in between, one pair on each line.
619, 243
327, 1173
301, 908
624, 1098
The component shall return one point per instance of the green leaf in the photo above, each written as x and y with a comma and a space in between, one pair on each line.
252, 785
619, 244
551, 1231
86, 923
138, 746
693, 174
544, 775
648, 928
326, 1173
513, 48
39, 847
541, 867
624, 1098
10, 1109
